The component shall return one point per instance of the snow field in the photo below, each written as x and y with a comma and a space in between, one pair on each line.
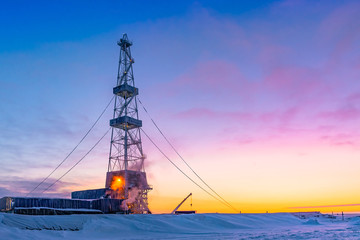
165, 226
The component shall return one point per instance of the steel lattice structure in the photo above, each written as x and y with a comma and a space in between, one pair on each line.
126, 158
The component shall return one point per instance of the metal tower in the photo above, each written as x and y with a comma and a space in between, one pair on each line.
126, 174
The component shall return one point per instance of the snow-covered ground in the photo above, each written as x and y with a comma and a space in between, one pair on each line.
196, 226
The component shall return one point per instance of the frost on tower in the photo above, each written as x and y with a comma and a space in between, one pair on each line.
126, 174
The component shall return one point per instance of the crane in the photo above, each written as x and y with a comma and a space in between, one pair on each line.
175, 210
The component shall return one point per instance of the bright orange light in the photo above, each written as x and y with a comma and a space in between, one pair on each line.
117, 183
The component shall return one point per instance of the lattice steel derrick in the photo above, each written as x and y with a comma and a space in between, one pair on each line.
126, 159
126, 148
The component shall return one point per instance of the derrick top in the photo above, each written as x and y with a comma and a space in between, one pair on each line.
124, 41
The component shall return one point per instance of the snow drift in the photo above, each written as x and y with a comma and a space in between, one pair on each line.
195, 226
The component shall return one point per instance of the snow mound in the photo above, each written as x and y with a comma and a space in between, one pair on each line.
355, 220
44, 222
312, 222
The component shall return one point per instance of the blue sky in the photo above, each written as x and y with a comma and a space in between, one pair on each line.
28, 25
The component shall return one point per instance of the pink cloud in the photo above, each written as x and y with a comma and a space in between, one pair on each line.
340, 20
283, 75
222, 78
212, 75
343, 114
19, 186
339, 32
204, 113
295, 85
341, 139
354, 98
277, 122
235, 142
282, 117
272, 55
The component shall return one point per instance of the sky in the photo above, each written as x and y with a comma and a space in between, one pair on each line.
261, 98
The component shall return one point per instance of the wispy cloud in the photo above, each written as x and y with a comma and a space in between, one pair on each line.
20, 186
297, 86
212, 115
342, 114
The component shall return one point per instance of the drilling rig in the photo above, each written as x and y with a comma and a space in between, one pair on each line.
126, 175
126, 186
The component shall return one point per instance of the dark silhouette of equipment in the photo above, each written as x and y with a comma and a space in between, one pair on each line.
183, 212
